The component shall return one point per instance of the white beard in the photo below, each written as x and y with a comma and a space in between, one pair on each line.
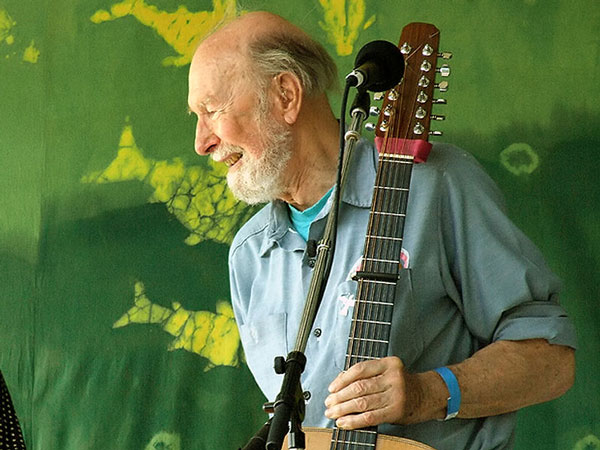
260, 180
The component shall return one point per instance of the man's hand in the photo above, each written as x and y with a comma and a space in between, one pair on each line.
373, 392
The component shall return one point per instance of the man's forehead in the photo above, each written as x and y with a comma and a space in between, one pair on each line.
216, 75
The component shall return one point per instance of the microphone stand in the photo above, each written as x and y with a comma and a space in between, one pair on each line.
288, 408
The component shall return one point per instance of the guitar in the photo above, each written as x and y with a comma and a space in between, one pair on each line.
401, 138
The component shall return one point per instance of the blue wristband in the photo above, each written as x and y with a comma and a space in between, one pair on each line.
453, 389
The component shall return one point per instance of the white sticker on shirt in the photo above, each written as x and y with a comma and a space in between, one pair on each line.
347, 301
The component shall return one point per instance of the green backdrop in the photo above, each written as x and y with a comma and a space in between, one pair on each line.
115, 324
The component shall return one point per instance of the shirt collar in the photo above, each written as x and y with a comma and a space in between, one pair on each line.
358, 192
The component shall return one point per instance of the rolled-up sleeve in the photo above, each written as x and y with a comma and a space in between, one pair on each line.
506, 289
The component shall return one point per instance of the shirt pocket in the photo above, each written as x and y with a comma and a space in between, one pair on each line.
263, 339
404, 339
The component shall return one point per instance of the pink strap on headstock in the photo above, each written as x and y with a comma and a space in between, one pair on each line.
417, 148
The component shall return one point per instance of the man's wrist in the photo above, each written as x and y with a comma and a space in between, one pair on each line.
428, 398
454, 394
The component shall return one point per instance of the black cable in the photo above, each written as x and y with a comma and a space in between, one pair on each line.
335, 207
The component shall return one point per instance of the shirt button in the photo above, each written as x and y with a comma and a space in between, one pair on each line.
306, 395
311, 263
317, 332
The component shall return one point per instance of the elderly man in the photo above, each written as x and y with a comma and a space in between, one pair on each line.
476, 310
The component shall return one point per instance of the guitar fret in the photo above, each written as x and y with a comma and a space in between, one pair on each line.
377, 281
397, 158
387, 238
369, 340
390, 188
373, 302
394, 261
378, 322
381, 213
362, 356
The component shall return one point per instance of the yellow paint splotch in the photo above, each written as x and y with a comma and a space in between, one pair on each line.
6, 26
196, 195
7, 36
181, 29
342, 21
213, 336
31, 54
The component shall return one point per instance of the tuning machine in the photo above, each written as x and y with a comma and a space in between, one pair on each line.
443, 70
442, 86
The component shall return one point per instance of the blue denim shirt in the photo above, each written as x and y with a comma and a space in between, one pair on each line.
471, 278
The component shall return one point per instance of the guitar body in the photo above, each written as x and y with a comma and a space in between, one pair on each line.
320, 439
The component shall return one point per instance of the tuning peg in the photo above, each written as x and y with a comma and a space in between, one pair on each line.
436, 133
377, 96
427, 50
418, 128
437, 117
439, 101
424, 82
370, 126
444, 70
374, 111
445, 55
442, 86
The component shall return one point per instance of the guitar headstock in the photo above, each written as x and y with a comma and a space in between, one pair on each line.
405, 115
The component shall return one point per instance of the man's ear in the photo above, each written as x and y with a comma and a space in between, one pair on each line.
288, 96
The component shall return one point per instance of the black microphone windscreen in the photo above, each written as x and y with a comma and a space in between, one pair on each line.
389, 61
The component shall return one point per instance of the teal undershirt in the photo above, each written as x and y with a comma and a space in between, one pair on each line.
301, 220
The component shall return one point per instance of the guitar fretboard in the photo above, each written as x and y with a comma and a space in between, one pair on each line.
373, 309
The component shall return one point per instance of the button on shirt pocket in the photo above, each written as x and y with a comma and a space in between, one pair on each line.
264, 339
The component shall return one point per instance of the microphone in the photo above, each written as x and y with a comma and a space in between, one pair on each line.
379, 66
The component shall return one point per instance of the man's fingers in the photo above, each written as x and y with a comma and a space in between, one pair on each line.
366, 403
361, 370
363, 420
355, 391
369, 393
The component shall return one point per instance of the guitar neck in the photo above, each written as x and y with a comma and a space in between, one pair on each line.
402, 139
371, 322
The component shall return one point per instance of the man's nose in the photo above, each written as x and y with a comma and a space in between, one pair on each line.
206, 141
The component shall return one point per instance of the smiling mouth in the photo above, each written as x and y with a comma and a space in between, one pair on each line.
232, 159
